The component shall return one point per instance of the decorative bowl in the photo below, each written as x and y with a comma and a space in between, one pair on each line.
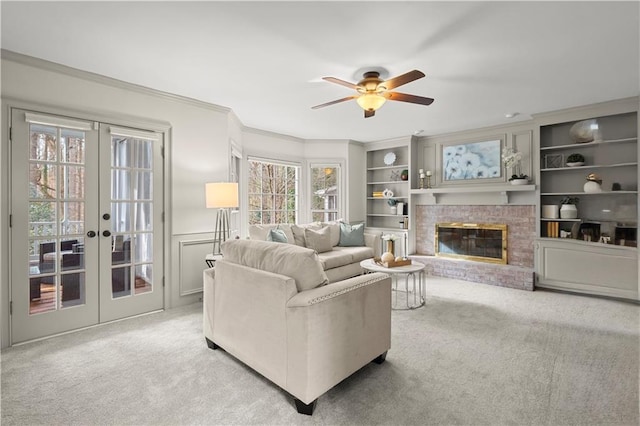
519, 181
576, 164
583, 131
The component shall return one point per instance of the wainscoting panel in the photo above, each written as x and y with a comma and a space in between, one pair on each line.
192, 254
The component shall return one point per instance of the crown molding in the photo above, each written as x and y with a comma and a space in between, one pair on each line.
43, 64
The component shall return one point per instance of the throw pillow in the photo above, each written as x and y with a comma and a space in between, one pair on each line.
351, 235
298, 235
277, 235
319, 240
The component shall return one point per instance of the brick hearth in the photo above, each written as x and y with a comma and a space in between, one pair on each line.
520, 221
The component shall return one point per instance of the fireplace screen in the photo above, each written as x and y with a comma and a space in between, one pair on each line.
472, 241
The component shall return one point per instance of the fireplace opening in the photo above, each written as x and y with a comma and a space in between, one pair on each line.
472, 241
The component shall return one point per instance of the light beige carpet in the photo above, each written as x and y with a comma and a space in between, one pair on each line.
474, 355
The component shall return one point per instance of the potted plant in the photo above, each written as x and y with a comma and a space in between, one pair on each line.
512, 160
568, 210
575, 160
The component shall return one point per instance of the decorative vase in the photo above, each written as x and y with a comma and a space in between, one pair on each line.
387, 257
568, 211
591, 186
390, 247
394, 209
404, 175
550, 211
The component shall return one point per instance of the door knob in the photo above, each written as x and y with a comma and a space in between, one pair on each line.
106, 233
106, 216
91, 234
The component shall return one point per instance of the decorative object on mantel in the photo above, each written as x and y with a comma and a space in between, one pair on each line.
575, 160
421, 176
585, 131
569, 209
512, 160
593, 183
428, 174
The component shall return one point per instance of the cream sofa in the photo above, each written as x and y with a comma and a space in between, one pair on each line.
270, 306
339, 261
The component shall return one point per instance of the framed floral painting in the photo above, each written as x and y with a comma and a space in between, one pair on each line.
472, 161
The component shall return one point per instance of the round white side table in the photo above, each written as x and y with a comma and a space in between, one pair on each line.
415, 294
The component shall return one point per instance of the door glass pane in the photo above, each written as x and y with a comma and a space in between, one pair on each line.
42, 218
71, 217
72, 290
144, 248
44, 143
121, 282
72, 183
142, 185
120, 152
120, 181
143, 278
143, 154
143, 218
56, 211
120, 217
40, 175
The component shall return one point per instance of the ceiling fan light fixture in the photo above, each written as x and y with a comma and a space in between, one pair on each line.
371, 101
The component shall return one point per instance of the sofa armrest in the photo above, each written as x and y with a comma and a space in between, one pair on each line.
334, 330
372, 240
247, 316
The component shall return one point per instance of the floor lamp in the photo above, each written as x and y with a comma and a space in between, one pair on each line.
221, 196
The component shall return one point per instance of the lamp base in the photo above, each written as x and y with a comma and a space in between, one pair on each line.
221, 233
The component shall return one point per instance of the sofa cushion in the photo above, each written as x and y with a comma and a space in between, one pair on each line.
335, 258
358, 254
261, 232
351, 235
319, 240
277, 235
301, 264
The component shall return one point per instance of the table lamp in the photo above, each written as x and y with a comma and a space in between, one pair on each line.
221, 196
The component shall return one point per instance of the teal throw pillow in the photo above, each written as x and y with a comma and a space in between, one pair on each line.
351, 235
277, 235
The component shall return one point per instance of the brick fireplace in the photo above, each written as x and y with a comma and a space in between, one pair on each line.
520, 221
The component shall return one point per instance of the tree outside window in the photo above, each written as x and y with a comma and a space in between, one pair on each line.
325, 192
273, 192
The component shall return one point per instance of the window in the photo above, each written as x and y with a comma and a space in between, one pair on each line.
325, 192
273, 192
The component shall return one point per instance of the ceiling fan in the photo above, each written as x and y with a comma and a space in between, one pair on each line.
373, 92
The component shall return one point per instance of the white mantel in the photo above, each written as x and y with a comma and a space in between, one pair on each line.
472, 194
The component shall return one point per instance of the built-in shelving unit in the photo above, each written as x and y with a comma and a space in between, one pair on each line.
385, 165
598, 253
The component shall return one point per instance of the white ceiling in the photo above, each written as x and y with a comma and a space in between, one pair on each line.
265, 60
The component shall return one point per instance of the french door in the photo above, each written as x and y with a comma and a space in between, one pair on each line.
86, 223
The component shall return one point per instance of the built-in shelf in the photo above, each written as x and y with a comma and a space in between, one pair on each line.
586, 144
401, 166
385, 199
544, 219
588, 193
594, 166
386, 215
387, 182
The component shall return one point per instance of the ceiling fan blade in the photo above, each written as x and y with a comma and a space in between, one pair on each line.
340, 82
402, 79
348, 98
369, 113
403, 97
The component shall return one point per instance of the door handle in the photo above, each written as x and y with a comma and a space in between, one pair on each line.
91, 234
106, 216
106, 233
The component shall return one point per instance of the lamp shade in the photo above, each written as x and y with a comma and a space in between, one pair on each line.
371, 101
221, 195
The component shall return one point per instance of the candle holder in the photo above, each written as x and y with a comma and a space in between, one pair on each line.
428, 181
